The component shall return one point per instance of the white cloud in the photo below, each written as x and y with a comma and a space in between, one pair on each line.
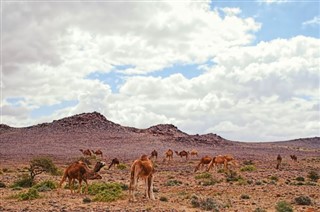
49, 51
313, 22
273, 1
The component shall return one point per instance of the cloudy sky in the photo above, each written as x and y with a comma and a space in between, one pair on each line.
245, 70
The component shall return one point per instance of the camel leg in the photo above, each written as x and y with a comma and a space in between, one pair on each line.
150, 187
85, 180
80, 185
71, 184
146, 188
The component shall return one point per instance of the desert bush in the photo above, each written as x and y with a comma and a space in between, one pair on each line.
47, 185
244, 196
2, 185
105, 192
259, 210
300, 179
232, 176
209, 182
40, 165
204, 204
205, 175
274, 178
313, 176
283, 206
173, 183
248, 162
122, 166
248, 168
163, 199
31, 194
303, 200
23, 181
258, 183
86, 200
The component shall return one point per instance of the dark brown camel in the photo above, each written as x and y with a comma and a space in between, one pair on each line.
79, 171
279, 160
114, 162
154, 154
183, 154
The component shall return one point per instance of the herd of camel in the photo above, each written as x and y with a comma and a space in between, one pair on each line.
142, 168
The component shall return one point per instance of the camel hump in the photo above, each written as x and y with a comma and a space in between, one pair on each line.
144, 157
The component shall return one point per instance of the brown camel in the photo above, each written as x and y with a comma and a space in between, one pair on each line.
183, 154
114, 162
79, 171
294, 158
279, 160
222, 159
169, 155
204, 161
154, 154
98, 152
85, 152
142, 168
194, 153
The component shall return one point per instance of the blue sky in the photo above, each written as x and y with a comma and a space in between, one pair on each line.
217, 62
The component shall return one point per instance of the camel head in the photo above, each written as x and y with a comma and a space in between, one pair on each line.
176, 152
98, 166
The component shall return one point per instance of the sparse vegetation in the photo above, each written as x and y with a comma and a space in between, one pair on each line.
274, 178
303, 200
173, 183
24, 181
313, 176
40, 165
122, 166
105, 192
248, 162
244, 196
205, 175
248, 168
45, 186
283, 206
205, 204
301, 179
232, 176
259, 210
31, 194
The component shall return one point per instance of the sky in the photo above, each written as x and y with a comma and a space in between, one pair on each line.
245, 70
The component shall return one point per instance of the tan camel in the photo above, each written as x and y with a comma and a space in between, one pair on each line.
183, 154
222, 159
85, 152
114, 162
279, 160
142, 168
194, 153
79, 171
169, 155
154, 154
97, 152
204, 161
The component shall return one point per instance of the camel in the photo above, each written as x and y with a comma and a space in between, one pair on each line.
98, 152
183, 154
85, 152
142, 168
114, 162
154, 154
194, 153
222, 159
204, 161
169, 155
79, 171
294, 158
279, 159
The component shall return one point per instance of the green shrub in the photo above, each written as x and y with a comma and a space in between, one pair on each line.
164, 199
24, 181
45, 186
303, 200
300, 179
259, 210
232, 176
244, 196
2, 185
31, 194
274, 178
248, 162
205, 175
283, 206
205, 204
173, 183
209, 182
105, 192
313, 176
122, 166
248, 168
